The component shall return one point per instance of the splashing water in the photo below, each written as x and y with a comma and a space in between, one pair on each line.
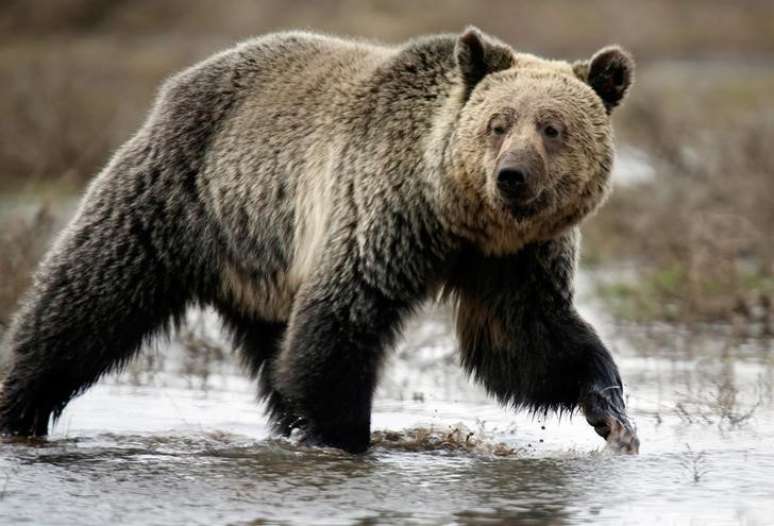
170, 444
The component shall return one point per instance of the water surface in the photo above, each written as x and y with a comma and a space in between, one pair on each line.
180, 442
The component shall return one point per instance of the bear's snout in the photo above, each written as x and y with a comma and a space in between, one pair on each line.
518, 177
512, 182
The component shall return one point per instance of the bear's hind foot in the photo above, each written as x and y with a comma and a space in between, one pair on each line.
22, 422
352, 440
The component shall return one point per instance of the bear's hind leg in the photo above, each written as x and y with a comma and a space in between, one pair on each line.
100, 293
259, 341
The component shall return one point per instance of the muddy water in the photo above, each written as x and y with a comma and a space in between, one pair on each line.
179, 442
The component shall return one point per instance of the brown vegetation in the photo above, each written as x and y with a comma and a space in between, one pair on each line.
700, 232
457, 438
651, 28
77, 77
22, 243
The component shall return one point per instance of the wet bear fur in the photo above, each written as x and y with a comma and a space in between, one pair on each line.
316, 190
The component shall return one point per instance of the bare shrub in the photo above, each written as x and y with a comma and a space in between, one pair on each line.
700, 231
203, 354
51, 127
78, 77
22, 243
719, 404
695, 462
458, 438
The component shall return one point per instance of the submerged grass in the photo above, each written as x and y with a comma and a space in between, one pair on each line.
719, 405
695, 462
456, 438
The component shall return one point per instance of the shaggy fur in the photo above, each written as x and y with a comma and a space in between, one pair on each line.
528, 346
315, 190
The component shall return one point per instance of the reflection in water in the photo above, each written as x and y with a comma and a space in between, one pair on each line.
164, 450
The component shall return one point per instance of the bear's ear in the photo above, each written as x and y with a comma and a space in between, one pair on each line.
610, 72
478, 55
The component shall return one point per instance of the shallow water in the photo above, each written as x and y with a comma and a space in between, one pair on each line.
174, 443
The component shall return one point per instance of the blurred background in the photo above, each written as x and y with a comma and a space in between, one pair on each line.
685, 238
677, 273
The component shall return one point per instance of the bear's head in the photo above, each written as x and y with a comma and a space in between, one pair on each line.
532, 145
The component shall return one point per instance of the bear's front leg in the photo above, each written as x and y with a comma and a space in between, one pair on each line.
328, 368
605, 411
522, 338
566, 351
578, 348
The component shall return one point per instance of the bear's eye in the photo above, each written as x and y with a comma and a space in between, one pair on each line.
498, 125
551, 132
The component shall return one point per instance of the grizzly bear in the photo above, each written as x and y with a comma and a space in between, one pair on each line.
314, 191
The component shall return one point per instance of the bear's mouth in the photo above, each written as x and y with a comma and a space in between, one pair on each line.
525, 208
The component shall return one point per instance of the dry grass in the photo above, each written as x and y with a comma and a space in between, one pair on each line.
203, 355
651, 28
456, 438
695, 462
65, 109
22, 243
718, 405
77, 77
701, 232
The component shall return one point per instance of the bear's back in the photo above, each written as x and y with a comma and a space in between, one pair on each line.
279, 127
269, 160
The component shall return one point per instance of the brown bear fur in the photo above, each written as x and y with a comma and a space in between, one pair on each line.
315, 190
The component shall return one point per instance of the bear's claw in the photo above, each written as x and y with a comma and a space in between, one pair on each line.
622, 437
606, 415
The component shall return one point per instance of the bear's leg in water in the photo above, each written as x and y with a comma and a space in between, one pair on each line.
522, 338
334, 348
107, 286
259, 343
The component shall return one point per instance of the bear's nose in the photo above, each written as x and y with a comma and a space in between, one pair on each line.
512, 182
